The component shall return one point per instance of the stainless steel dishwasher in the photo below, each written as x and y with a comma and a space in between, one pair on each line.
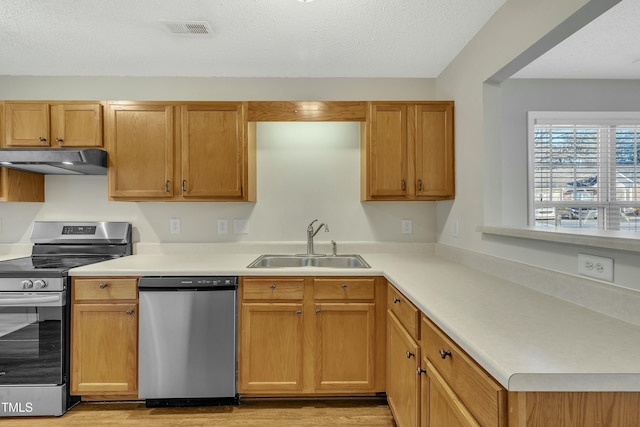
187, 341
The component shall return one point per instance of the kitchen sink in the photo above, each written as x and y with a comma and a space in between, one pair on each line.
329, 261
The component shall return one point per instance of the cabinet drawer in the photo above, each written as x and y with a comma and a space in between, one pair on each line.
343, 288
105, 289
480, 393
292, 289
405, 311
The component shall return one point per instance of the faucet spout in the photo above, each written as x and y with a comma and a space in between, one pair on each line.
311, 234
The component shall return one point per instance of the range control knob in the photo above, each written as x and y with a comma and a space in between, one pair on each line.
40, 284
27, 284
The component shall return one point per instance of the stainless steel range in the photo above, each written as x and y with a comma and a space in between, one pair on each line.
35, 312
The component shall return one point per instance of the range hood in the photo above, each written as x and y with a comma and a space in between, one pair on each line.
56, 161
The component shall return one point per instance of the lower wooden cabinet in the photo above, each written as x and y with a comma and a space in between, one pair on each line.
272, 342
345, 346
310, 336
104, 338
403, 383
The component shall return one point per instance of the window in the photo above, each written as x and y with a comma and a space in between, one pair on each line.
584, 170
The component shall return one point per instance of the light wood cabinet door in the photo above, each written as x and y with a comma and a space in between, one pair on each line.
214, 151
440, 405
27, 124
345, 347
19, 186
140, 143
271, 352
407, 151
403, 381
387, 164
434, 151
104, 356
76, 125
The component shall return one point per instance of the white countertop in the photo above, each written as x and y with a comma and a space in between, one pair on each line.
526, 340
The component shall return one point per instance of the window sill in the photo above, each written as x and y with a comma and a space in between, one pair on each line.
594, 238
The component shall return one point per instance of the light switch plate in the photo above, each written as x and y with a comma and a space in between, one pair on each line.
407, 226
241, 226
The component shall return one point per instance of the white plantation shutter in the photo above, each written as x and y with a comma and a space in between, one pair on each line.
584, 170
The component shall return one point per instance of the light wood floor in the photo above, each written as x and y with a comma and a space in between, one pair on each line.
252, 413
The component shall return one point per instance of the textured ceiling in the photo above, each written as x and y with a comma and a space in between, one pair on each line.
251, 38
606, 48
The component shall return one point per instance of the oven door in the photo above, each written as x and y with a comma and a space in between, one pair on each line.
32, 338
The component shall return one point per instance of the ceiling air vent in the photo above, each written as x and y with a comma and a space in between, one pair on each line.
188, 27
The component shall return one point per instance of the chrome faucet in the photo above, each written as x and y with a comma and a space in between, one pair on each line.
310, 234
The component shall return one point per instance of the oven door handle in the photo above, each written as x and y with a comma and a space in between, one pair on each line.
30, 300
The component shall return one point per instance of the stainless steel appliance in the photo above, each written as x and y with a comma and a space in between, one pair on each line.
187, 341
56, 161
35, 312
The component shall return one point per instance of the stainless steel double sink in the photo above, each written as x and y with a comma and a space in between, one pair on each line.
328, 261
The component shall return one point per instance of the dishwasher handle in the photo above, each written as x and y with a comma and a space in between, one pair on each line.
182, 283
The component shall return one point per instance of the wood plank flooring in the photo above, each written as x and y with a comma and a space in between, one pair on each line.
356, 412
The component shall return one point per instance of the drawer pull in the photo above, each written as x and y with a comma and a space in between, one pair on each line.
410, 355
345, 286
396, 300
129, 312
272, 286
318, 311
103, 285
299, 312
444, 353
420, 371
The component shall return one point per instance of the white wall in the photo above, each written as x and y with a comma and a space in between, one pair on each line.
304, 170
490, 163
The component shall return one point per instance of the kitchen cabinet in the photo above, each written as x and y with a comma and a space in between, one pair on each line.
19, 186
456, 391
15, 185
271, 344
310, 336
407, 151
104, 338
345, 338
174, 152
53, 124
403, 359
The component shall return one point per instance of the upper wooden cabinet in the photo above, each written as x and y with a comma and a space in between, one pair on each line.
407, 151
168, 151
53, 124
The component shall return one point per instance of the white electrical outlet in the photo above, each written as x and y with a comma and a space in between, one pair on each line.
407, 226
596, 267
174, 225
454, 228
223, 226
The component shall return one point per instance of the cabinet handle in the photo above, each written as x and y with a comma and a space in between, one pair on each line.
444, 353
166, 186
184, 185
103, 285
42, 139
129, 312
272, 286
299, 312
420, 371
410, 355
404, 185
59, 140
419, 185
318, 311
396, 300
344, 286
